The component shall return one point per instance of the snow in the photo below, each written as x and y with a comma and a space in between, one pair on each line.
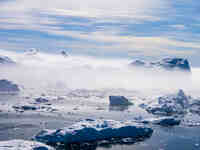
90, 130
166, 63
8, 86
23, 145
119, 100
170, 104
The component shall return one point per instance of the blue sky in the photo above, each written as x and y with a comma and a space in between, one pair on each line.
114, 28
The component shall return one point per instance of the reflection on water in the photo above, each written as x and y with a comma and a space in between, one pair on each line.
102, 144
118, 108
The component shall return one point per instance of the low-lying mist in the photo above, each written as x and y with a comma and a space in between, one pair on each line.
80, 72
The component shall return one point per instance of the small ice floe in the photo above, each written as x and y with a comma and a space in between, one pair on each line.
41, 100
23, 145
33, 107
8, 86
170, 64
163, 121
4, 60
119, 100
170, 104
25, 107
93, 131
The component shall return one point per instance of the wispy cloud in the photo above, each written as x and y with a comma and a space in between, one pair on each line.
131, 28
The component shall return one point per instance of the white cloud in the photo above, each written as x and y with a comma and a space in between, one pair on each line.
44, 16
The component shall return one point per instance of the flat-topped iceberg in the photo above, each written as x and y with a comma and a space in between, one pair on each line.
23, 145
170, 104
8, 86
170, 64
94, 130
118, 101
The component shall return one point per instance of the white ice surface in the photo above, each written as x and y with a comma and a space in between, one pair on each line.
23, 145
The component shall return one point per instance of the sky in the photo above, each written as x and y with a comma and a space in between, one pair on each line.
109, 29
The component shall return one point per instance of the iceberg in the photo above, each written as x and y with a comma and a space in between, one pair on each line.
118, 101
169, 64
8, 86
170, 104
90, 130
23, 145
41, 100
64, 53
163, 121
4, 60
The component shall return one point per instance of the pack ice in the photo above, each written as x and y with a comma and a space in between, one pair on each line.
23, 145
94, 130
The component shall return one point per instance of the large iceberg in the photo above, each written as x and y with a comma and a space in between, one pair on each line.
94, 130
23, 145
166, 63
170, 104
8, 86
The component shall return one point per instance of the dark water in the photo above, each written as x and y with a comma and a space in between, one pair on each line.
25, 126
165, 138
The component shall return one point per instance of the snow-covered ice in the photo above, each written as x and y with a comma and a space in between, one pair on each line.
23, 145
170, 104
90, 130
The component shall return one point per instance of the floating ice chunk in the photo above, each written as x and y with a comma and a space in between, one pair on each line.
166, 63
41, 100
94, 130
164, 121
33, 107
119, 100
8, 86
195, 107
23, 145
25, 107
170, 104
